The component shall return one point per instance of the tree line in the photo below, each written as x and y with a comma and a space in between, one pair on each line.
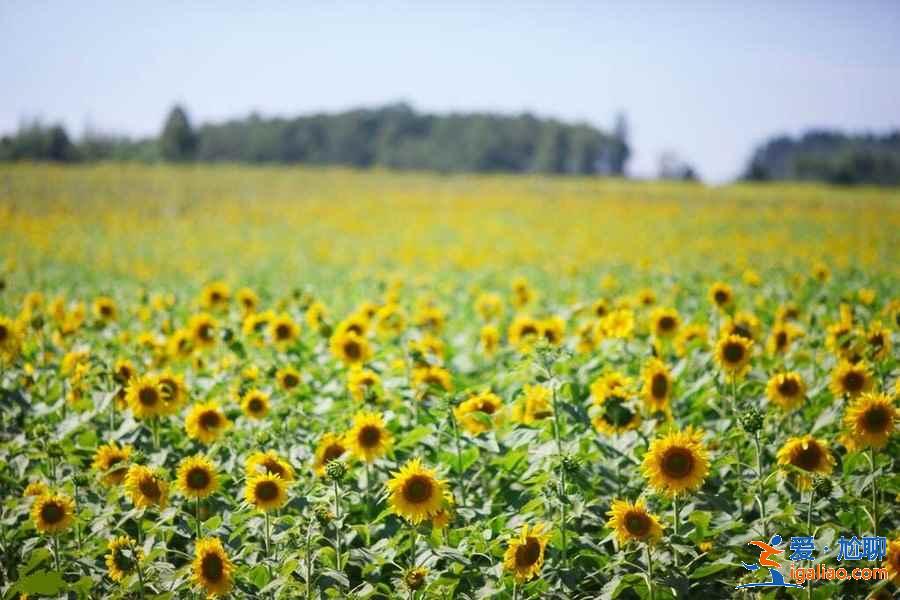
830, 156
393, 136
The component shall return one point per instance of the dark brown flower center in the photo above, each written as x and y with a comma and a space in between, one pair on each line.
332, 452
204, 332
781, 340
487, 407
659, 386
355, 328
733, 352
808, 458
369, 436
150, 488
854, 381
637, 524
876, 419
209, 419
417, 489
352, 349
789, 387
4, 333
148, 396
528, 330
266, 490
52, 513
273, 466
666, 323
106, 310
528, 553
290, 380
283, 331
198, 478
212, 567
255, 405
678, 463
721, 296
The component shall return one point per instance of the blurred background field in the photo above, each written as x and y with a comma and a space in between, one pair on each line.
103, 225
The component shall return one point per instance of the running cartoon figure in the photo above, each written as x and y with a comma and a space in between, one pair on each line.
767, 550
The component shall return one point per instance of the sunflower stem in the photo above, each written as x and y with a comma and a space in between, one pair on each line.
140, 572
650, 571
154, 429
266, 514
368, 489
759, 480
874, 492
197, 516
515, 594
309, 559
413, 538
56, 553
562, 474
459, 463
675, 527
337, 520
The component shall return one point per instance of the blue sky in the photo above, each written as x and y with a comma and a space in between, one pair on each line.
707, 80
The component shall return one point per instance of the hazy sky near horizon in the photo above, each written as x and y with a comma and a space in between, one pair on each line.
708, 80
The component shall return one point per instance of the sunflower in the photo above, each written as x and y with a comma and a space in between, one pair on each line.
807, 454
144, 396
587, 338
104, 309
842, 338
173, 390
534, 404
123, 371
553, 330
489, 340
53, 513
783, 334
215, 295
269, 462
690, 336
609, 383
614, 413
618, 324
350, 348
677, 462
479, 412
646, 297
146, 487
255, 323
892, 561
850, 379
657, 386
123, 557
665, 322
431, 318
870, 420
428, 345
821, 272
489, 306
362, 382
197, 477
522, 293
524, 332
180, 344
442, 517
10, 337
266, 491
879, 341
202, 329
633, 522
111, 462
524, 556
315, 314
743, 324
331, 447
432, 375
600, 308
212, 569
206, 422
720, 295
248, 300
416, 493
733, 355
788, 390
357, 323
255, 404
283, 330
368, 439
288, 378
36, 489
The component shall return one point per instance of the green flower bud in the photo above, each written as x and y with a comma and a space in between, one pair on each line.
335, 470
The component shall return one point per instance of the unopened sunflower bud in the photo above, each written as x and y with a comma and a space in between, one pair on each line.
55, 450
751, 420
571, 463
262, 437
323, 514
81, 480
335, 470
325, 330
822, 486
415, 578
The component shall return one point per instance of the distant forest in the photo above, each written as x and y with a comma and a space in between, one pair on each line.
396, 136
828, 156
393, 136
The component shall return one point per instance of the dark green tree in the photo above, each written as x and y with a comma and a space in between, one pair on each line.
178, 142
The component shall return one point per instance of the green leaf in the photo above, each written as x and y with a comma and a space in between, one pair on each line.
42, 583
710, 569
259, 575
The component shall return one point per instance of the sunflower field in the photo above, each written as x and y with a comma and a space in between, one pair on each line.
253, 382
